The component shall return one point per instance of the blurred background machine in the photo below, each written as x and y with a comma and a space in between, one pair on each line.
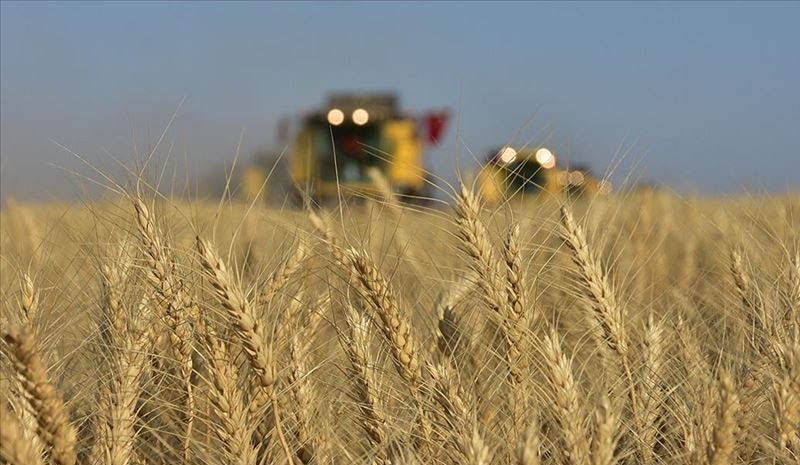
511, 172
333, 148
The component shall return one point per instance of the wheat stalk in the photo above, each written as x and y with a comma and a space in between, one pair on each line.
401, 240
699, 377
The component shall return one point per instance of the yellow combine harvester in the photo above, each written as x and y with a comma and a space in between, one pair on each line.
510, 172
335, 147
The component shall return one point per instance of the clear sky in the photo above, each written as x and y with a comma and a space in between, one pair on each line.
698, 96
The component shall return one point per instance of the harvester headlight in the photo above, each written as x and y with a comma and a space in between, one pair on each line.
508, 155
335, 117
360, 116
546, 158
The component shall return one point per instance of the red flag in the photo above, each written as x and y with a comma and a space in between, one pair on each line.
435, 123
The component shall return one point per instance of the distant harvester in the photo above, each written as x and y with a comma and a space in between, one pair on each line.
510, 172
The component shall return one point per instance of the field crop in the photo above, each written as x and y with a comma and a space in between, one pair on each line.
637, 328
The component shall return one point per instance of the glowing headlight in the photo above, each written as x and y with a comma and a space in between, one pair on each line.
546, 158
507, 155
360, 116
336, 117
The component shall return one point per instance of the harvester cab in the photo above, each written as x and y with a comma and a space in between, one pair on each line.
509, 172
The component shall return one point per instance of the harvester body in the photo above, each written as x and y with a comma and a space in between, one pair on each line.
510, 173
334, 149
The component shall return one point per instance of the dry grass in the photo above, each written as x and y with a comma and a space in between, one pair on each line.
639, 328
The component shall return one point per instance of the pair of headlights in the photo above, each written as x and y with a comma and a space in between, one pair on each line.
543, 156
336, 116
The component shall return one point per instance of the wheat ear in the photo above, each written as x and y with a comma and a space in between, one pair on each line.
605, 434
372, 414
787, 400
29, 307
458, 419
248, 330
475, 243
128, 339
29, 300
53, 427
281, 276
792, 293
375, 290
311, 440
233, 429
324, 229
607, 312
498, 291
516, 323
723, 441
756, 313
15, 448
477, 450
651, 388
565, 394
161, 272
113, 276
529, 445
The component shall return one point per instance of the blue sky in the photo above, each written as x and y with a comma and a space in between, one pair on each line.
697, 96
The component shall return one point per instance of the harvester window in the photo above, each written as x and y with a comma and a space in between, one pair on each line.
526, 175
355, 147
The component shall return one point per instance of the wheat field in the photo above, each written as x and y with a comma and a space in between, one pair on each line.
638, 328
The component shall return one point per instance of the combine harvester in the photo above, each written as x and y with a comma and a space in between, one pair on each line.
510, 173
334, 149
338, 149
